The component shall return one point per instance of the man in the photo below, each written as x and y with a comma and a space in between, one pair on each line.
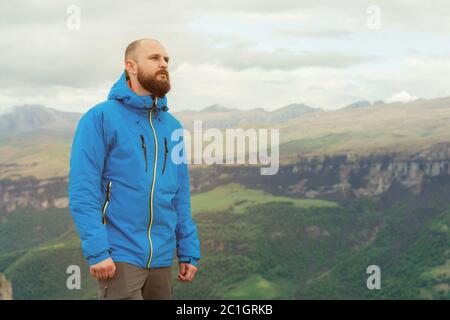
128, 192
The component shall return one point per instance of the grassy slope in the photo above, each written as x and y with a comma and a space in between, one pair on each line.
45, 243
415, 269
41, 157
236, 199
395, 127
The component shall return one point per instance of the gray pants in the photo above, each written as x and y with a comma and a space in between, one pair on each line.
133, 283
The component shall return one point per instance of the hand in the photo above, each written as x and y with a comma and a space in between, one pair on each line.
103, 270
187, 272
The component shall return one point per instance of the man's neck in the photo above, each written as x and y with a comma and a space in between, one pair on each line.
137, 88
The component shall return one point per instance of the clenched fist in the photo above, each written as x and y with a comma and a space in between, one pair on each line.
186, 272
103, 270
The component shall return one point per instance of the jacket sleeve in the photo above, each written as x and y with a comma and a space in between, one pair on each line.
188, 243
88, 153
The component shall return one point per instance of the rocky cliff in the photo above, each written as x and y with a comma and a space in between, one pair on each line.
336, 177
31, 192
5, 288
329, 177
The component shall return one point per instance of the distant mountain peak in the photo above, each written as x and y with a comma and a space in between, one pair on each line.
216, 108
364, 104
295, 107
293, 110
28, 118
31, 107
358, 104
378, 102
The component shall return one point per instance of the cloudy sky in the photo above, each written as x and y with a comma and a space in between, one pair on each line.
241, 54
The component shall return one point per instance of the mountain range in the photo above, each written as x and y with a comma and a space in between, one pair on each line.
35, 140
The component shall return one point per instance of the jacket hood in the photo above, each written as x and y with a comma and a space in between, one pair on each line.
122, 92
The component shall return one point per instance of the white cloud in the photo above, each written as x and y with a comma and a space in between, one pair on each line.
241, 54
323, 87
402, 96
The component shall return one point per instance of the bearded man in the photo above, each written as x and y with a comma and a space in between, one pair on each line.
129, 184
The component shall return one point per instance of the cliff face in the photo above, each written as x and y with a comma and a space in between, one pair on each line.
333, 177
364, 179
337, 177
5, 288
371, 176
31, 192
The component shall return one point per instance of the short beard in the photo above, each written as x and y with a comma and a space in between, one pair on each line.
153, 85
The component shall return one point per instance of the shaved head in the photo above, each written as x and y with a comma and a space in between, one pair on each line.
132, 49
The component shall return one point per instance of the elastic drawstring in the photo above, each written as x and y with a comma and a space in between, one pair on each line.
155, 107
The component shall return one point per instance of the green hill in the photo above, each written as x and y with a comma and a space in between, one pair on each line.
270, 247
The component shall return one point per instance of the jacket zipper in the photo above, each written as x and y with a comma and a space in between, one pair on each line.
153, 180
166, 151
144, 149
108, 194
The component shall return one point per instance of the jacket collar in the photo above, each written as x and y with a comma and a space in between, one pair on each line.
122, 92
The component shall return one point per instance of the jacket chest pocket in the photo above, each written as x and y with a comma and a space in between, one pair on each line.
166, 171
168, 178
165, 155
144, 152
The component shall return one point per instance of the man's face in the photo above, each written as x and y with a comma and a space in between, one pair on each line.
152, 68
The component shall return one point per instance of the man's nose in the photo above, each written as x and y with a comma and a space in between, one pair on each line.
164, 64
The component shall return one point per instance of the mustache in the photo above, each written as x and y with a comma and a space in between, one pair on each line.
163, 72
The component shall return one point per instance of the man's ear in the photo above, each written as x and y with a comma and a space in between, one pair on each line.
130, 67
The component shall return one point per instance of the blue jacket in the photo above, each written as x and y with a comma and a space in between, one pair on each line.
128, 190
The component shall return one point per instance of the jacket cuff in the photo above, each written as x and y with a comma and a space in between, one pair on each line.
96, 259
189, 260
